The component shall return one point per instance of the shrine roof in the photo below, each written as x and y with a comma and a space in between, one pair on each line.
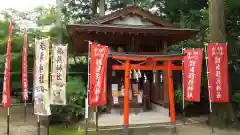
129, 22
134, 11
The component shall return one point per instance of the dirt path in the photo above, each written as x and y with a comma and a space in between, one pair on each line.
19, 127
17, 124
193, 129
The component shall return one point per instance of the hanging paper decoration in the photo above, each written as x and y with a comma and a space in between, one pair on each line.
218, 72
136, 76
161, 77
6, 97
139, 74
24, 69
154, 76
41, 86
98, 69
192, 74
115, 93
145, 78
59, 73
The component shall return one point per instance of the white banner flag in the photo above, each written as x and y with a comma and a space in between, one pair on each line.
59, 74
41, 86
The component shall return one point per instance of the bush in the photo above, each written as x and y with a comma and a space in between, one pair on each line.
236, 104
75, 108
178, 96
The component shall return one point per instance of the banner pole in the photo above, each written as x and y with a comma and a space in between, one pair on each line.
25, 111
38, 125
183, 104
50, 82
86, 101
96, 118
209, 94
8, 121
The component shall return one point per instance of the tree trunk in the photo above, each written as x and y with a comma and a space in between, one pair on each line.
94, 7
222, 112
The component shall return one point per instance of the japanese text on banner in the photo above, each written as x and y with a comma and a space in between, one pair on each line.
6, 96
218, 72
24, 69
59, 73
98, 67
192, 74
41, 92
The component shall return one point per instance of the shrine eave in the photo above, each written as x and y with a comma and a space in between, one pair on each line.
111, 34
131, 29
143, 56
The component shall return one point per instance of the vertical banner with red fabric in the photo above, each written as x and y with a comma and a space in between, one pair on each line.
24, 69
192, 74
218, 72
98, 69
6, 98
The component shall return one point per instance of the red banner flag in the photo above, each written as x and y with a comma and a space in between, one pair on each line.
6, 98
218, 72
192, 74
24, 69
98, 69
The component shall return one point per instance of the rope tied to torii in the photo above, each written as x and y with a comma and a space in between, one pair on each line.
137, 74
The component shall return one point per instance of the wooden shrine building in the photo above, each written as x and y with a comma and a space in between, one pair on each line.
131, 30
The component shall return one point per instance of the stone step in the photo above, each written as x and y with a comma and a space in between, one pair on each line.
146, 125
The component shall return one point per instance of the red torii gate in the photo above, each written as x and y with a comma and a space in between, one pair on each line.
127, 66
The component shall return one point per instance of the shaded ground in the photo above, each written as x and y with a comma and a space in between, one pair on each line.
17, 124
19, 127
196, 129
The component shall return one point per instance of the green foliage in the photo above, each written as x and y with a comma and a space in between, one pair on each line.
46, 16
178, 95
63, 131
236, 100
77, 10
76, 93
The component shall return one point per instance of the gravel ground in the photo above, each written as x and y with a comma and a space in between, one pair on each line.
194, 129
19, 127
17, 124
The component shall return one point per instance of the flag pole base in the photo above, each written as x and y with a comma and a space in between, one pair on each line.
86, 126
8, 122
184, 117
210, 122
173, 128
48, 126
38, 125
25, 111
125, 130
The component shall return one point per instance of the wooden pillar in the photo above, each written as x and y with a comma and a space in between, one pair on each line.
126, 98
171, 95
109, 82
120, 49
165, 80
